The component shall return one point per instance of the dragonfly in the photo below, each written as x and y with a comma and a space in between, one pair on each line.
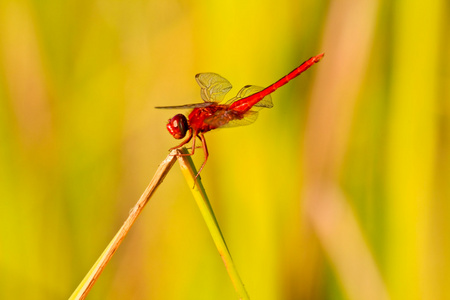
214, 113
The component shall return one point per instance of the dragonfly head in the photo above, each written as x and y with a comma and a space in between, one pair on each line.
178, 126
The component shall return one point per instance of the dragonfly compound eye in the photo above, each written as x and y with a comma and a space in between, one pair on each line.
178, 126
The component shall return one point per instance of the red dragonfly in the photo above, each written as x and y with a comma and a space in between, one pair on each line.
238, 111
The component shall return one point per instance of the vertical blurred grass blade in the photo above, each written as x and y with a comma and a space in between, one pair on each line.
91, 277
411, 151
347, 42
189, 172
343, 240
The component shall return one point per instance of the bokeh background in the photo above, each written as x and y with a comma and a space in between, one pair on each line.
341, 191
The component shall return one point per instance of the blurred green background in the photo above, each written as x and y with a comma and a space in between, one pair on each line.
341, 191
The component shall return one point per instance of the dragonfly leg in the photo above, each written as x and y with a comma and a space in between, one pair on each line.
191, 136
187, 140
205, 149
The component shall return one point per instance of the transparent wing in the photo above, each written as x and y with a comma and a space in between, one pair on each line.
185, 106
230, 118
249, 118
249, 90
213, 86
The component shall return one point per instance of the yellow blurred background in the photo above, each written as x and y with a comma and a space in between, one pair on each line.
341, 191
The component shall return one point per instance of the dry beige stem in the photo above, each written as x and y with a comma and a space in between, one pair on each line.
85, 286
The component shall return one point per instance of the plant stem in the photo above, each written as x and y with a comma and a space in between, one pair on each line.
189, 171
91, 277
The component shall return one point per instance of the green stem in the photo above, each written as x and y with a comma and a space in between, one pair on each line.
189, 171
